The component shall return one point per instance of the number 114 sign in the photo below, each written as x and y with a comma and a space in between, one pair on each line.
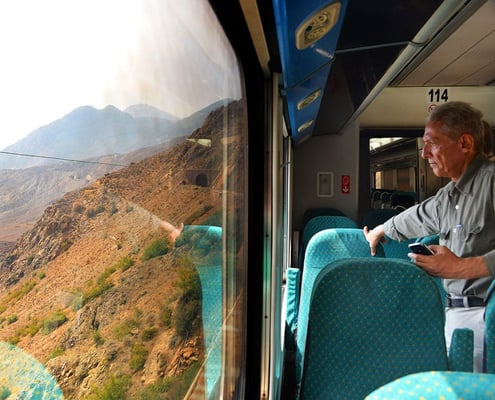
435, 96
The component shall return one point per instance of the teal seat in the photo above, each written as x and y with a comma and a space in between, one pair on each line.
434, 239
314, 224
490, 330
435, 385
292, 295
393, 248
204, 245
23, 377
323, 248
212, 306
396, 249
317, 224
320, 211
373, 320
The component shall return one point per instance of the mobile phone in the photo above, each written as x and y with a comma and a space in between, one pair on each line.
420, 248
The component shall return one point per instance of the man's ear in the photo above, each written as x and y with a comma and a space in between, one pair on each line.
466, 141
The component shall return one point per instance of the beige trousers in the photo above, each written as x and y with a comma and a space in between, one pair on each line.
472, 318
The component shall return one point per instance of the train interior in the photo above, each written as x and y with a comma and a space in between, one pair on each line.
372, 77
319, 110
357, 80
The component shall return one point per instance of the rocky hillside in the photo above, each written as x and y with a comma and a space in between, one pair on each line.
32, 174
96, 291
25, 193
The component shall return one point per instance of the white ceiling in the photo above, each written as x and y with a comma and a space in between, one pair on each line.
466, 58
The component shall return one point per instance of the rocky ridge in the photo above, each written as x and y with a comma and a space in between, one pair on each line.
76, 291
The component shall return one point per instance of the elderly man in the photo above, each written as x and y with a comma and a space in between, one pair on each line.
462, 213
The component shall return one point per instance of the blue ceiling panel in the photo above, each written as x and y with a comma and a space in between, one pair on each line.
306, 57
299, 64
302, 116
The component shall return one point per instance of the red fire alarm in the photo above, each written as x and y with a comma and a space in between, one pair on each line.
346, 184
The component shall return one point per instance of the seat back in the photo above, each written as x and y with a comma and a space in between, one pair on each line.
490, 330
24, 377
203, 244
396, 249
317, 224
371, 320
434, 385
323, 248
434, 239
310, 213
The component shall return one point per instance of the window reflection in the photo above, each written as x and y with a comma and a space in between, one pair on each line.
123, 191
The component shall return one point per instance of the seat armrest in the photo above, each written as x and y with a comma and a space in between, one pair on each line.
461, 350
293, 289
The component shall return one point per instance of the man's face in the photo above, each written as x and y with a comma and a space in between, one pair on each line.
445, 156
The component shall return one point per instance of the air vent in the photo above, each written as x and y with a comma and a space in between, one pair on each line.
317, 25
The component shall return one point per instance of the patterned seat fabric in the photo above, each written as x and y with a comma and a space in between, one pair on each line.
461, 358
23, 377
372, 320
320, 211
317, 224
490, 330
204, 246
396, 249
434, 385
323, 248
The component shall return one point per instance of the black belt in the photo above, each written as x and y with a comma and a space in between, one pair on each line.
468, 301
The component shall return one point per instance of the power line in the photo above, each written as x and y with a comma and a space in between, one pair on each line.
61, 159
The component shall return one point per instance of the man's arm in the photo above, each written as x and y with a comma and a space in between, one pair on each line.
445, 264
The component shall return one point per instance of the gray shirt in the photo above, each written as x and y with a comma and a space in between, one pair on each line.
463, 215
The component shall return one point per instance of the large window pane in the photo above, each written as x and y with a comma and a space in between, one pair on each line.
122, 201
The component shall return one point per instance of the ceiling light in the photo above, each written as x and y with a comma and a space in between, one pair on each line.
310, 98
304, 126
317, 25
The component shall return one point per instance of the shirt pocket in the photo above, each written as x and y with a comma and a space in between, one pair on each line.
466, 233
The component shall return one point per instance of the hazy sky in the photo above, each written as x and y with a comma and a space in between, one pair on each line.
58, 55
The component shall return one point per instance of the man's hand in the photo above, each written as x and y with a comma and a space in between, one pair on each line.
374, 236
445, 264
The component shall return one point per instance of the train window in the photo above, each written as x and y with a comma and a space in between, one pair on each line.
376, 143
123, 201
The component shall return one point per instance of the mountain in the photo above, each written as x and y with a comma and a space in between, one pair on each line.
80, 293
87, 132
147, 111
138, 132
25, 193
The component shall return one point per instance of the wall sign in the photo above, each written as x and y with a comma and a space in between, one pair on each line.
324, 184
346, 184
435, 96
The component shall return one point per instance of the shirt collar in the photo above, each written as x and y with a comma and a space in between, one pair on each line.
469, 173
